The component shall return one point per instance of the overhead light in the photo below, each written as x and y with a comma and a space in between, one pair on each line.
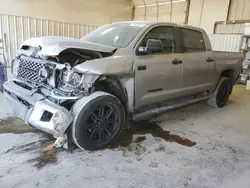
162, 3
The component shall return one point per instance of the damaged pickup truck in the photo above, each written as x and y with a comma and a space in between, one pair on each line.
90, 87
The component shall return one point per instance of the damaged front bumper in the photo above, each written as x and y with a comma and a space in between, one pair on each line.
36, 110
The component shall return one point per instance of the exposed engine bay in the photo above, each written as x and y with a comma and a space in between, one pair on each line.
54, 76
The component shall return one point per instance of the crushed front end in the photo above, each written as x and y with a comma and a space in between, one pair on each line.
33, 97
45, 83
42, 92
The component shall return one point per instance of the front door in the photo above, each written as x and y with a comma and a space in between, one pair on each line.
198, 63
158, 74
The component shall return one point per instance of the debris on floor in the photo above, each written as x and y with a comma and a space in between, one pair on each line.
61, 142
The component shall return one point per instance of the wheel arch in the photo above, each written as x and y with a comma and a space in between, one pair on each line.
113, 86
229, 73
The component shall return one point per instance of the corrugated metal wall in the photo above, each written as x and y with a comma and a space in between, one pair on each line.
160, 10
227, 43
15, 29
238, 15
237, 28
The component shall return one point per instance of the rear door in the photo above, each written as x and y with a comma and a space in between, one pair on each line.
157, 75
198, 63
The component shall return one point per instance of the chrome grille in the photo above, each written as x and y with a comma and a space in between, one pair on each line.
29, 69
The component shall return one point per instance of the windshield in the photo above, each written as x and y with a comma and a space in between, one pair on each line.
118, 35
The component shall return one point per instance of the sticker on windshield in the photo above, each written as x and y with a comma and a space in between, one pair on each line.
137, 25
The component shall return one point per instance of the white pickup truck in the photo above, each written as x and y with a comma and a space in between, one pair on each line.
121, 71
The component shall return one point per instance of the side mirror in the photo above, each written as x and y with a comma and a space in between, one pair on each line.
152, 46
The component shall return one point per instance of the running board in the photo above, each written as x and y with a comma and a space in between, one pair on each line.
156, 111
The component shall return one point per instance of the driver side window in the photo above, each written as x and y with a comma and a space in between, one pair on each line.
165, 35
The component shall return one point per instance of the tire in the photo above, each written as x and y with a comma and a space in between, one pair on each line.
98, 121
219, 97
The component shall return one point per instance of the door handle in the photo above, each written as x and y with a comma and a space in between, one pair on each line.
209, 59
176, 61
142, 67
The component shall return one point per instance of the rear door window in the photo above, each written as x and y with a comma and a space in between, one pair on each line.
192, 41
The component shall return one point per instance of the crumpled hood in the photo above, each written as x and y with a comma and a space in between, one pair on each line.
52, 46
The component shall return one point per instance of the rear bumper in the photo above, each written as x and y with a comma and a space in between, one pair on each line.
36, 110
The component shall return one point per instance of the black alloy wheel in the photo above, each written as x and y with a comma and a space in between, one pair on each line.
98, 120
223, 94
101, 123
220, 96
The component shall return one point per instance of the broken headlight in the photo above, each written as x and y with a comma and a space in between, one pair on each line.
70, 81
71, 78
75, 79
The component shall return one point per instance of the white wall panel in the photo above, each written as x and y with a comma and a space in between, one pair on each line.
178, 12
237, 28
138, 2
154, 10
228, 43
195, 12
89, 12
139, 14
213, 11
16, 29
149, 2
151, 13
239, 10
204, 13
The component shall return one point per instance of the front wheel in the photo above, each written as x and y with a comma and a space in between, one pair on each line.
219, 97
98, 121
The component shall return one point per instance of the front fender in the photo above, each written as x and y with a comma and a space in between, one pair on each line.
114, 65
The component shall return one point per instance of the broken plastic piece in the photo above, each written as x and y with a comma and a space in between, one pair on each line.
60, 141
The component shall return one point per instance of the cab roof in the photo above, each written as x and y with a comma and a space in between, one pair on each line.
151, 23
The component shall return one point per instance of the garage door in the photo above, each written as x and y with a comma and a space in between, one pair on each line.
160, 10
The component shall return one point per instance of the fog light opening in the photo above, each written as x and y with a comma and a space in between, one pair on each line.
46, 117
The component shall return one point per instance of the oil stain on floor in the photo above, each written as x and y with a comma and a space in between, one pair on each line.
45, 158
49, 156
146, 127
46, 153
14, 125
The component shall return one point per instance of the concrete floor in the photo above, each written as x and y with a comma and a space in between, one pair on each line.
218, 153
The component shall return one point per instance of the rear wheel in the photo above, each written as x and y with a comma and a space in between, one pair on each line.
98, 121
219, 97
